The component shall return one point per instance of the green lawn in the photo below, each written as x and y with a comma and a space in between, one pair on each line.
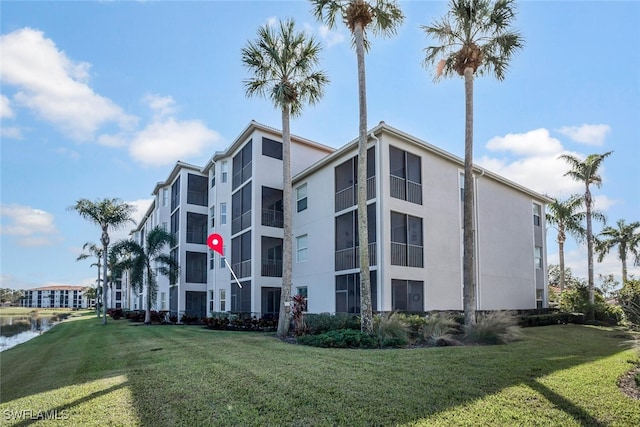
129, 374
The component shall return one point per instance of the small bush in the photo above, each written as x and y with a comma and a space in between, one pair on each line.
414, 323
325, 322
115, 313
344, 338
498, 327
439, 329
390, 330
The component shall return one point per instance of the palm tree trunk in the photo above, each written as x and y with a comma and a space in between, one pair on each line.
366, 311
623, 258
587, 202
469, 288
105, 247
287, 243
147, 312
561, 256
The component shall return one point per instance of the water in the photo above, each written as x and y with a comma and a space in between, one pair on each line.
34, 328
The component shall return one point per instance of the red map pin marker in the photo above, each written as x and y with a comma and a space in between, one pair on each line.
215, 243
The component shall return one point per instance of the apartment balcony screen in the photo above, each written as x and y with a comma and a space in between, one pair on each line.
272, 207
241, 297
175, 193
406, 176
196, 228
197, 192
346, 181
407, 247
407, 295
348, 292
241, 209
196, 269
242, 166
347, 255
241, 255
271, 148
271, 257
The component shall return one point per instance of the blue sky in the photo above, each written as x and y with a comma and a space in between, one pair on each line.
99, 99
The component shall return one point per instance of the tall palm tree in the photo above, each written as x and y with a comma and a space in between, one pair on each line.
283, 63
626, 237
567, 217
586, 171
383, 17
475, 38
140, 260
107, 214
96, 251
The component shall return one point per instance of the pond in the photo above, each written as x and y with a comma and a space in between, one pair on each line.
18, 326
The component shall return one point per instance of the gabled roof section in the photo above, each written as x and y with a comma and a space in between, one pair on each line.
382, 127
59, 288
174, 172
253, 126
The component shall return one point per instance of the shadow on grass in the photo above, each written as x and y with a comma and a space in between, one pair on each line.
191, 376
577, 413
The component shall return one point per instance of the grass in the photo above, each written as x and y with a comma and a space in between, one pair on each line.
124, 374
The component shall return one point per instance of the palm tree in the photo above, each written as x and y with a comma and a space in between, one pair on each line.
475, 39
283, 63
107, 214
96, 251
567, 217
383, 17
140, 259
586, 171
626, 237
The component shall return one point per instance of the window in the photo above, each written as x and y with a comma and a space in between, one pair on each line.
537, 209
196, 228
222, 258
164, 226
196, 269
406, 175
212, 259
223, 300
406, 240
301, 197
163, 300
537, 257
272, 207
223, 170
271, 148
241, 209
303, 291
407, 295
301, 245
211, 302
461, 187
165, 197
348, 292
539, 297
223, 214
242, 166
197, 192
175, 193
212, 215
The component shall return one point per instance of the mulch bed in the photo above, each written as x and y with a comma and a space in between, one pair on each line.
627, 384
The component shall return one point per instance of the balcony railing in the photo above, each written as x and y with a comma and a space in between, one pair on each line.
240, 223
349, 258
349, 196
271, 268
407, 255
406, 190
272, 218
242, 269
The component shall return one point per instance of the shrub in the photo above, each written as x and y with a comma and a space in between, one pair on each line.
343, 338
629, 299
115, 313
498, 327
299, 306
414, 323
439, 329
324, 322
390, 330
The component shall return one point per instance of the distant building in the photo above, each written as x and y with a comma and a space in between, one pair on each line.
55, 297
414, 207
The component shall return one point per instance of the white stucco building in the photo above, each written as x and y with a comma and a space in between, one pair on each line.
415, 228
60, 296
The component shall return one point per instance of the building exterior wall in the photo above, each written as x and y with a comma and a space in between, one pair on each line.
55, 297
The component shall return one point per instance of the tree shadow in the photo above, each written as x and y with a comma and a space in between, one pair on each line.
577, 413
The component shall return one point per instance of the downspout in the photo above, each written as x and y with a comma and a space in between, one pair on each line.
379, 251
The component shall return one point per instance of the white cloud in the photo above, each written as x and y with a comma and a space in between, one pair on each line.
10, 132
330, 37
118, 140
54, 86
31, 227
162, 106
5, 108
587, 134
67, 152
533, 143
162, 143
271, 21
576, 260
141, 206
